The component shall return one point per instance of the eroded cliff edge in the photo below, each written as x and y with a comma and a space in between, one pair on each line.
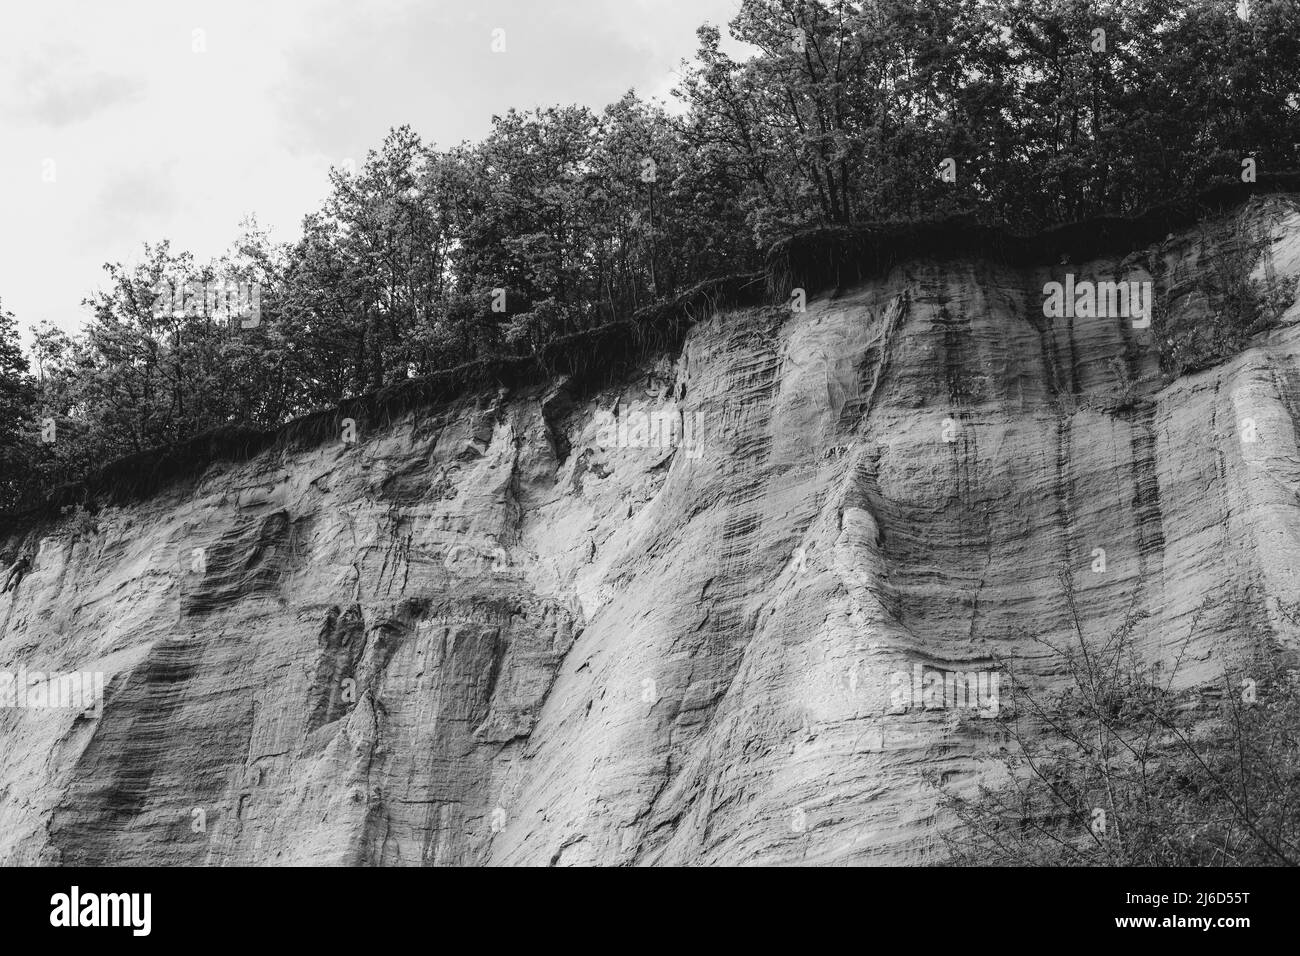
488, 634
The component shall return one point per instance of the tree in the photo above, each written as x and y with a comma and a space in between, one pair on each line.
16, 413
1123, 767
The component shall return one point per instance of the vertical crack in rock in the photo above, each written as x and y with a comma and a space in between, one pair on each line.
1146, 495
1062, 489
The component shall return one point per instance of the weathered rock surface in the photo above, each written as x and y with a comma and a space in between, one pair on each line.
488, 634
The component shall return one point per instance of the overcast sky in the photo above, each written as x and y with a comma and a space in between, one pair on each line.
145, 138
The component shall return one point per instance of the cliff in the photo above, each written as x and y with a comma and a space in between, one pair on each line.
662, 619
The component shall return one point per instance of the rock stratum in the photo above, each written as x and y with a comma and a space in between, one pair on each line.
658, 622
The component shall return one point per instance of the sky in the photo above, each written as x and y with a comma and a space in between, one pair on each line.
134, 121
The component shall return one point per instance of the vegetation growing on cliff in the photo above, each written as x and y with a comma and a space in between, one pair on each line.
1007, 113
1215, 315
1121, 767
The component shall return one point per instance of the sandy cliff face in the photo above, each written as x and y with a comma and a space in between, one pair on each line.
663, 623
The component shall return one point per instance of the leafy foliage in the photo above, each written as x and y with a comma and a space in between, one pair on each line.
16, 399
1216, 314
1120, 768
